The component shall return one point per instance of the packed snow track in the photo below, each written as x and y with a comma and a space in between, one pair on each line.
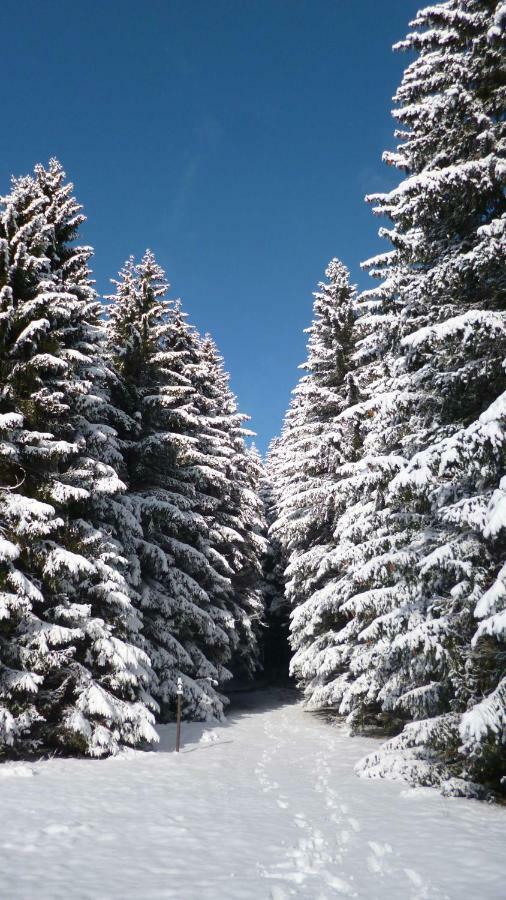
265, 806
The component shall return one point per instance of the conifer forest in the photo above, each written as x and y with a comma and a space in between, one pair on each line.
362, 562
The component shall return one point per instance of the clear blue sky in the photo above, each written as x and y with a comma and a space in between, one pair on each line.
236, 138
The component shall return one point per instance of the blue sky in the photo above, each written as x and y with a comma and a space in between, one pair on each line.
236, 138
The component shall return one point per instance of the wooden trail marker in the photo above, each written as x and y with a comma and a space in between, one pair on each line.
179, 693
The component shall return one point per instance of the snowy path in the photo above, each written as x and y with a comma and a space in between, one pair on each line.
264, 807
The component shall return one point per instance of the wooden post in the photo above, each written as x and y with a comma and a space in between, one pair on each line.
178, 714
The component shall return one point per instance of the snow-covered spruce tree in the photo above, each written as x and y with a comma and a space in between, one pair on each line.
237, 522
248, 580
319, 437
19, 680
184, 582
444, 297
69, 623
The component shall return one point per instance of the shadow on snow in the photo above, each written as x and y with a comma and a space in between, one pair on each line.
243, 704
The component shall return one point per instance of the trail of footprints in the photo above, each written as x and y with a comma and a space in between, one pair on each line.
309, 868
313, 856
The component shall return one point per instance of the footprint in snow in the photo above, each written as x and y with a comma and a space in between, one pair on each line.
330, 800
342, 887
278, 893
376, 861
380, 849
422, 889
52, 830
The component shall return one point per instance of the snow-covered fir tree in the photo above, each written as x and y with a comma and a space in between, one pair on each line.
237, 523
319, 437
445, 644
71, 675
171, 463
249, 579
419, 538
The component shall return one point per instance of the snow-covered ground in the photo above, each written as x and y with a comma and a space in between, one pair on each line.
266, 806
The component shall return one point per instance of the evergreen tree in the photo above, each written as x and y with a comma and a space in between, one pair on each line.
414, 507
319, 438
248, 582
427, 543
276, 643
183, 582
446, 270
237, 523
73, 678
